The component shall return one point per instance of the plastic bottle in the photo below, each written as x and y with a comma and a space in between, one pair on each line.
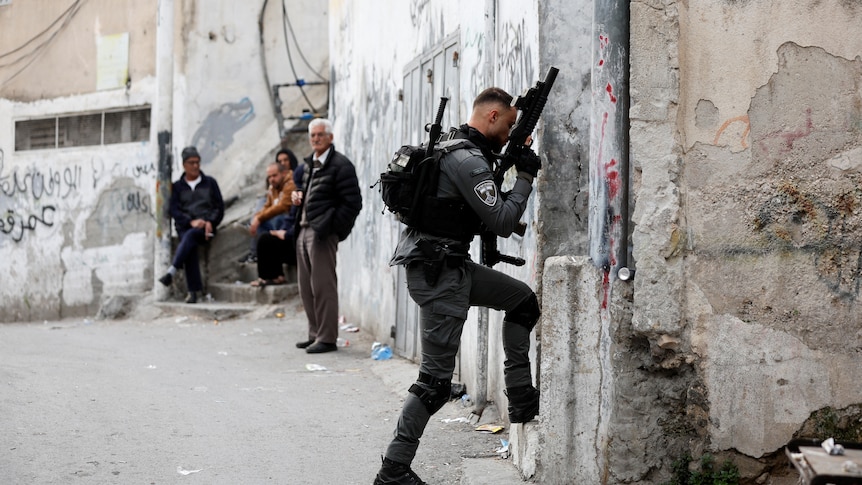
380, 351
342, 342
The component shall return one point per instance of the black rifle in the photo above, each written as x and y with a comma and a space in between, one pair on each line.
530, 105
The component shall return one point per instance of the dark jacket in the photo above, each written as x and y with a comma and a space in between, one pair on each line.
204, 202
333, 200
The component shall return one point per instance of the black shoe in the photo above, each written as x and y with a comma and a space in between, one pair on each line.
523, 403
394, 473
248, 258
304, 344
321, 347
192, 297
167, 279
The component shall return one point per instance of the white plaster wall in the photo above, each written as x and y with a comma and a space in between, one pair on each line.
371, 43
88, 214
221, 100
92, 232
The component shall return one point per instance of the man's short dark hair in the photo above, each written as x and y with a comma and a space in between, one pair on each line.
493, 95
189, 152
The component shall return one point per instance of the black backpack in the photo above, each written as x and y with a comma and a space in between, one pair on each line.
411, 178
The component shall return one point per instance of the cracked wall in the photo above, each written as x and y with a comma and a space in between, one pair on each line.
747, 145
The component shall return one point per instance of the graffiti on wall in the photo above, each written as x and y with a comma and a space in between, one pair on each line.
31, 197
219, 127
15, 224
32, 184
122, 209
731, 122
516, 56
35, 183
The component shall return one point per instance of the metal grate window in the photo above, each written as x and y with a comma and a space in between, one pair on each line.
105, 128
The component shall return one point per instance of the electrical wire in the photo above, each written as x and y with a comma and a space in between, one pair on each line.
284, 24
296, 44
25, 44
69, 14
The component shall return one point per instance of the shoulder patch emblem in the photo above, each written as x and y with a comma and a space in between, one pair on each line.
487, 192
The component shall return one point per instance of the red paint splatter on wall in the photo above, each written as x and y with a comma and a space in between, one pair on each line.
610, 91
603, 41
612, 176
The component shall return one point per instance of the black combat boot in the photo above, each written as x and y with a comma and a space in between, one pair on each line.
523, 403
394, 473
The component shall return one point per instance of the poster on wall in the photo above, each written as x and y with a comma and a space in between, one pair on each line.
113, 61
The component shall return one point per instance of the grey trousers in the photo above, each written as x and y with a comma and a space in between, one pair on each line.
318, 284
442, 311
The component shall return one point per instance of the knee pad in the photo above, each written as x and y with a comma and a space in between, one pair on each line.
526, 314
434, 396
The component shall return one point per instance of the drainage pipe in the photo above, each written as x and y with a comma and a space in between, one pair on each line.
609, 164
609, 188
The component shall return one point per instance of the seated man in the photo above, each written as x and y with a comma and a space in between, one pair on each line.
197, 209
272, 206
277, 247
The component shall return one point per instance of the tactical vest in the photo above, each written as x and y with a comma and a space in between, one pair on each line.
409, 189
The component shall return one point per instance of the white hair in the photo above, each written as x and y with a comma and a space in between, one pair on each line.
327, 125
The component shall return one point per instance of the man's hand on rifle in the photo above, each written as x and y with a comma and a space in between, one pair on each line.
526, 160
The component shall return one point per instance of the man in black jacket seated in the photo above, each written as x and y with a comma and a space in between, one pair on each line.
197, 209
329, 201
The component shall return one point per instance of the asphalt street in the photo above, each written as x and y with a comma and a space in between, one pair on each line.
177, 399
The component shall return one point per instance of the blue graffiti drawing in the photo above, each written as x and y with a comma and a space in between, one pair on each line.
216, 132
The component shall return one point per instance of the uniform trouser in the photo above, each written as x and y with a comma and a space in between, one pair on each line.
442, 312
186, 257
318, 284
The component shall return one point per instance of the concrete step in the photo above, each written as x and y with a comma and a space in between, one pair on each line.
241, 292
206, 310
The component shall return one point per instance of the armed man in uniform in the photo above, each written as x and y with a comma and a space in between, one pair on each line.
445, 282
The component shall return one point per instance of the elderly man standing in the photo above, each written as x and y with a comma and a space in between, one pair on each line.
197, 209
329, 201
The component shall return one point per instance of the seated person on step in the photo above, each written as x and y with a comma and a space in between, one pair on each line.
264, 214
197, 208
277, 205
277, 247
